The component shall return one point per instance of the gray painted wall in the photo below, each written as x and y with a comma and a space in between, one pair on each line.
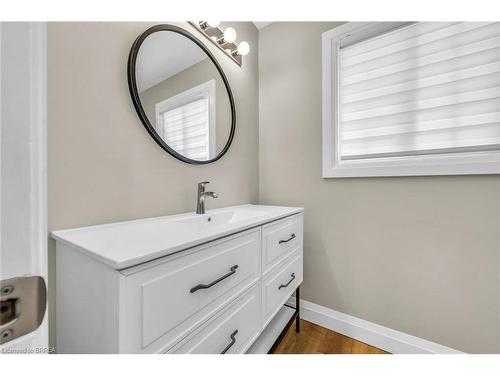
103, 165
416, 254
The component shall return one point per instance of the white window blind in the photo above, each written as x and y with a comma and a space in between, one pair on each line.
425, 88
186, 121
186, 129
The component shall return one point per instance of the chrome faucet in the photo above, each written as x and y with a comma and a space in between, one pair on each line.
200, 202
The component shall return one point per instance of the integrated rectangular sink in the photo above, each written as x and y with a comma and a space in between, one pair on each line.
213, 219
128, 243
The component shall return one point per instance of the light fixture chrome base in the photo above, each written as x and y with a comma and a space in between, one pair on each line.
213, 34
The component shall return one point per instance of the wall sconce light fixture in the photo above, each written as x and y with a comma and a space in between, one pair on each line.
225, 39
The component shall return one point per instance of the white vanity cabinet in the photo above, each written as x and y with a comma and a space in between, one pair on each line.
219, 295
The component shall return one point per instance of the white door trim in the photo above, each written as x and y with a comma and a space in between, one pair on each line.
38, 114
30, 94
384, 338
39, 159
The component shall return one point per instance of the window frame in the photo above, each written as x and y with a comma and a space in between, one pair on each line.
464, 163
204, 90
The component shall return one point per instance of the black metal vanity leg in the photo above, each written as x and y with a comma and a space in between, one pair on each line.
297, 305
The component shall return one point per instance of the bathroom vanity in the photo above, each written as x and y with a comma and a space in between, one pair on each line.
212, 283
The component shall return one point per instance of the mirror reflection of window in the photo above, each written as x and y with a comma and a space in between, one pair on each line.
186, 122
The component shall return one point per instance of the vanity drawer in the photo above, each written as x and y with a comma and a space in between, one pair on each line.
231, 332
280, 285
168, 300
279, 239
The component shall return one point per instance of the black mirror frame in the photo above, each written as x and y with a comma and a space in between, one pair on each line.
132, 84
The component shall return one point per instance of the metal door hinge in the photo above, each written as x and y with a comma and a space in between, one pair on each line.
23, 301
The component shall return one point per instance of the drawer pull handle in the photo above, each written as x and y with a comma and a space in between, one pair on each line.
288, 283
291, 238
206, 286
233, 340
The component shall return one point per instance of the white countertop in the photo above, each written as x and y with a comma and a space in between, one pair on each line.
128, 243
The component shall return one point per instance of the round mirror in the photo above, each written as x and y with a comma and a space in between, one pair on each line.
181, 94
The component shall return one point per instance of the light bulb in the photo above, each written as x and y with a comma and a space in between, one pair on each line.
213, 24
243, 48
229, 35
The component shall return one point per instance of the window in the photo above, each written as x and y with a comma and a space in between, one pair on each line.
411, 99
186, 122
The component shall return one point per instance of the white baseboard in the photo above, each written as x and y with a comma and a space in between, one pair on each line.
373, 334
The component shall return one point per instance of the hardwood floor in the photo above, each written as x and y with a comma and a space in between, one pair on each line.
314, 339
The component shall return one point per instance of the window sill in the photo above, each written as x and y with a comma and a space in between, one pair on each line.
423, 165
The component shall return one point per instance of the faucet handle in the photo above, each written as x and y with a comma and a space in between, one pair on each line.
203, 183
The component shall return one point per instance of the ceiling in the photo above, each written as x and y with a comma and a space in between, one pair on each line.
261, 24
